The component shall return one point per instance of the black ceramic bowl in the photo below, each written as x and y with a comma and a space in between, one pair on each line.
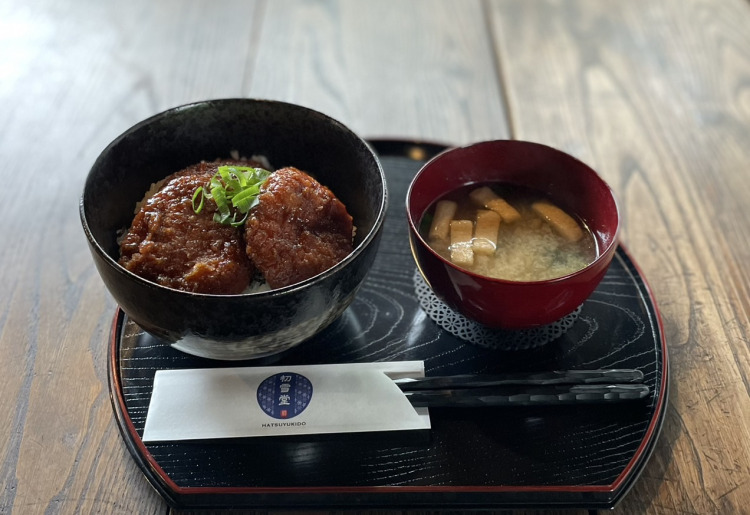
250, 325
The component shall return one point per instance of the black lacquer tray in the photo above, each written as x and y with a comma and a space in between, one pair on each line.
488, 458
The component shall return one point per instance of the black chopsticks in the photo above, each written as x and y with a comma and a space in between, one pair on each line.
535, 389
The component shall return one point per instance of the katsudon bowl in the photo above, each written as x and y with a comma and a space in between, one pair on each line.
247, 325
533, 172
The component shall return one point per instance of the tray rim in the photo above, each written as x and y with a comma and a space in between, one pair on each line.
174, 494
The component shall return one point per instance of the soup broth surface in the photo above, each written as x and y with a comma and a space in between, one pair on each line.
524, 237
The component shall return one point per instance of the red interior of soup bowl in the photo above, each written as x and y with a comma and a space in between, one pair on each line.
568, 182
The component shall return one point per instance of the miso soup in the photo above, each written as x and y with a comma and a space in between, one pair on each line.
507, 232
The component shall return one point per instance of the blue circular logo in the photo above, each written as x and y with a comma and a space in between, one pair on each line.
284, 395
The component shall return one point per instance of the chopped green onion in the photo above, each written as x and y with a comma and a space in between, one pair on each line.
198, 193
235, 185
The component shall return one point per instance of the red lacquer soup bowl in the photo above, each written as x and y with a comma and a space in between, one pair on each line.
567, 182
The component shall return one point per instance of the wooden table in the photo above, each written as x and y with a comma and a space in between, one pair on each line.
655, 95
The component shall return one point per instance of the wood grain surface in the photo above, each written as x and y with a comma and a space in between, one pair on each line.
655, 95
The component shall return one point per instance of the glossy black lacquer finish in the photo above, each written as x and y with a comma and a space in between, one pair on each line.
234, 326
489, 458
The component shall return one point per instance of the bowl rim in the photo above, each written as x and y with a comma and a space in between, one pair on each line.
267, 294
604, 254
